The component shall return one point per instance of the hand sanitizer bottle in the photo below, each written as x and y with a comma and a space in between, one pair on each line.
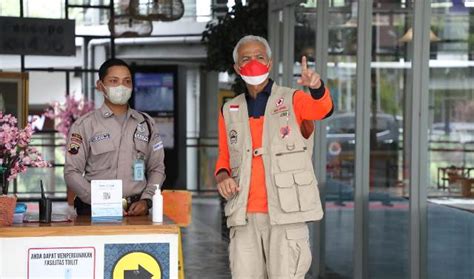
157, 209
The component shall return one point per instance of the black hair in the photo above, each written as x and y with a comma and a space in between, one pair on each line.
110, 63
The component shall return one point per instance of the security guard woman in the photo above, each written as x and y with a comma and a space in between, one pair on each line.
115, 142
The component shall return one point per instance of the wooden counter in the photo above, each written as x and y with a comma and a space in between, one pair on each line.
85, 249
82, 225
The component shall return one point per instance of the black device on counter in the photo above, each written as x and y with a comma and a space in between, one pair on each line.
45, 207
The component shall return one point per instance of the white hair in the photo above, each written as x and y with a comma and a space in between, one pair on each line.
251, 38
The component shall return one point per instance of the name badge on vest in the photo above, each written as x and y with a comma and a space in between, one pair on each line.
139, 170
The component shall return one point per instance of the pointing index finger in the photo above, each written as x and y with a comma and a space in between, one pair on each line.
304, 65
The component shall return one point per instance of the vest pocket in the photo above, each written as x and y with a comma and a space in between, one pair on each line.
296, 191
307, 192
235, 162
291, 160
287, 192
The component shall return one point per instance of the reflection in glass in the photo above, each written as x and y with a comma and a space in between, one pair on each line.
389, 193
339, 214
90, 17
451, 143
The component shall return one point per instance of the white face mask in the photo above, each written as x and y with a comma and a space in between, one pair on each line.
256, 80
118, 95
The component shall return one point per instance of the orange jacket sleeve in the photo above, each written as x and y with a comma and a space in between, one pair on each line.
308, 108
223, 151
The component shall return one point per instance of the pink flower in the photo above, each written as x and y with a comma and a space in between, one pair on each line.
15, 154
65, 114
26, 160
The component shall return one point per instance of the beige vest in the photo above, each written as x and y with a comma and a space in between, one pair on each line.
292, 190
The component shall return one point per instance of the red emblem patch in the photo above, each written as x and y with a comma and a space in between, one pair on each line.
285, 131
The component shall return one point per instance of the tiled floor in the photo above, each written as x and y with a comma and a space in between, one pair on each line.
204, 247
450, 241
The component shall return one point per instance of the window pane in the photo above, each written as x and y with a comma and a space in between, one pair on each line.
451, 142
9, 8
389, 193
340, 140
51, 147
37, 8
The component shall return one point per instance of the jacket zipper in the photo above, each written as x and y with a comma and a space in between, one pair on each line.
291, 152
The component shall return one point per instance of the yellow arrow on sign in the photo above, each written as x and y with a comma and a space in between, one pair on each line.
137, 265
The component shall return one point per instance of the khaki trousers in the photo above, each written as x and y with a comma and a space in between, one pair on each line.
260, 250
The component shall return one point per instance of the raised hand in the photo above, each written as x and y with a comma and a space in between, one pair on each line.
309, 78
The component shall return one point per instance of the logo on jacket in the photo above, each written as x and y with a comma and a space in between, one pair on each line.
233, 136
280, 102
285, 131
234, 108
280, 106
141, 128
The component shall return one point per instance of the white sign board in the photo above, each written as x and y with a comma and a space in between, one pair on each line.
106, 200
91, 256
61, 262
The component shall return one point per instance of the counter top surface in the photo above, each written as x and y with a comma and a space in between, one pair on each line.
82, 225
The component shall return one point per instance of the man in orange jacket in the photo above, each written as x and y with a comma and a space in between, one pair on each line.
264, 167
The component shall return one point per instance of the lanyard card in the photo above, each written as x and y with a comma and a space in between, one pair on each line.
138, 170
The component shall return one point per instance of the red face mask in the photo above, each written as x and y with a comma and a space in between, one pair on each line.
254, 72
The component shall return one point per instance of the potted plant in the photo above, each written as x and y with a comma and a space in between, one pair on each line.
15, 157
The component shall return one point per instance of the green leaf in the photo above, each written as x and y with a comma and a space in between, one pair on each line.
220, 37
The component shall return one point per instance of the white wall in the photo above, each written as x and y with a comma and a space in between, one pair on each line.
48, 87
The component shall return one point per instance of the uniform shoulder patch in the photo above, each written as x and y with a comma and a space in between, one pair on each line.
73, 148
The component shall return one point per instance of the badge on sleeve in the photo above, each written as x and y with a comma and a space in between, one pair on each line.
138, 170
76, 138
73, 148
158, 146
